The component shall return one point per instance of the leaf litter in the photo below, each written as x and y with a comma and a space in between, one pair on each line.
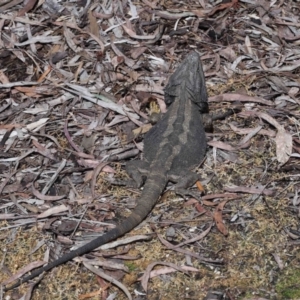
78, 81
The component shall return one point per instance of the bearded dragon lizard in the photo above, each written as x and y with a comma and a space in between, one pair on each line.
173, 147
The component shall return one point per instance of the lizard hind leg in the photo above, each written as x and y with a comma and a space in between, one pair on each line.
184, 182
138, 171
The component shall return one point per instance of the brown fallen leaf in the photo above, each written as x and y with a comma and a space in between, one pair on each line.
28, 6
283, 139
167, 270
200, 186
227, 196
221, 145
94, 29
233, 3
44, 75
200, 208
250, 190
42, 90
278, 260
3, 77
270, 133
239, 97
224, 195
132, 34
219, 219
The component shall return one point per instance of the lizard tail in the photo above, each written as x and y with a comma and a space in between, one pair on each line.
153, 188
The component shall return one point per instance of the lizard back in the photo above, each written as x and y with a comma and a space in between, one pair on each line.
178, 141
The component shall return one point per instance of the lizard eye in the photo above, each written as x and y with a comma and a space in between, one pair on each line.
169, 99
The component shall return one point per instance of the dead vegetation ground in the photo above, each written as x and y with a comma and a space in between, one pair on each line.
78, 77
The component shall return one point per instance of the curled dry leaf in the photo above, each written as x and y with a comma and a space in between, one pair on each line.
53, 210
146, 276
167, 270
190, 253
197, 238
41, 196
